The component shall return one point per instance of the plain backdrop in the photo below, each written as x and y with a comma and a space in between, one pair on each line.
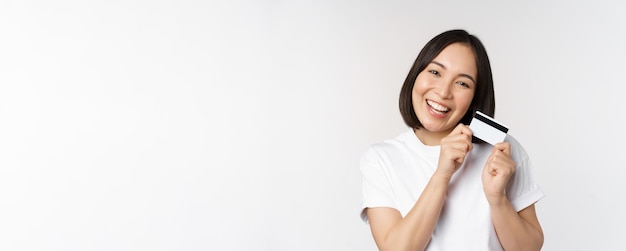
238, 125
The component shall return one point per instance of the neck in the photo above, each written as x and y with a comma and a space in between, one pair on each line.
430, 138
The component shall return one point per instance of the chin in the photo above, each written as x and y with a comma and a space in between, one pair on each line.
435, 128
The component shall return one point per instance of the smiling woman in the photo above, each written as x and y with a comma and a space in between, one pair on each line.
422, 190
443, 91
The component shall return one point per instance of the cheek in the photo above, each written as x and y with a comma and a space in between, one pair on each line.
415, 92
419, 86
466, 99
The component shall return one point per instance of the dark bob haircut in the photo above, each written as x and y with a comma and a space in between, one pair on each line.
484, 98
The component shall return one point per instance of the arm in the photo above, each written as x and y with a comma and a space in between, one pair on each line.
516, 231
413, 232
392, 232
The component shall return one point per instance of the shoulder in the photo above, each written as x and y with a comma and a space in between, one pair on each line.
389, 146
384, 152
517, 150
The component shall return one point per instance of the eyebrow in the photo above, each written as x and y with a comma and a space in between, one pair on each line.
462, 74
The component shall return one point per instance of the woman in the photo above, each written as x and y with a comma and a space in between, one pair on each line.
431, 188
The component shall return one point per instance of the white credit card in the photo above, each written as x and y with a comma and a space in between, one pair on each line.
487, 129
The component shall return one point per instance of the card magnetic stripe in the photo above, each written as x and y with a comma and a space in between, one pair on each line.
491, 123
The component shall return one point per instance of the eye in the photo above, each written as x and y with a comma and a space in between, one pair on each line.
463, 84
434, 72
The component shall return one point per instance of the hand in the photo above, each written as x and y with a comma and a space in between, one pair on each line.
497, 172
454, 148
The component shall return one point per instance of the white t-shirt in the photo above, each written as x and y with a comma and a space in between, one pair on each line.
395, 172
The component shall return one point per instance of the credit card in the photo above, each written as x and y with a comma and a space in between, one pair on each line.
487, 129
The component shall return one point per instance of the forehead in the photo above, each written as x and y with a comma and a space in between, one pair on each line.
458, 57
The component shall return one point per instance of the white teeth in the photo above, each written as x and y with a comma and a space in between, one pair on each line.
437, 107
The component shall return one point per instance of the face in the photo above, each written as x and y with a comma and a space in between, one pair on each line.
443, 91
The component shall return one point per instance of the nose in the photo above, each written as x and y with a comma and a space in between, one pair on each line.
444, 89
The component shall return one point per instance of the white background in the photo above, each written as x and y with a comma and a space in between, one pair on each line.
238, 125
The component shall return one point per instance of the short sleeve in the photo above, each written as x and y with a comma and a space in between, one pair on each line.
522, 190
376, 183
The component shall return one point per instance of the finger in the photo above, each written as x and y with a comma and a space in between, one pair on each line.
458, 144
462, 147
499, 161
490, 169
504, 147
460, 134
507, 148
455, 148
457, 138
461, 129
457, 130
467, 133
450, 148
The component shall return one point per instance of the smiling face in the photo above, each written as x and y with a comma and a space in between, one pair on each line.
443, 92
